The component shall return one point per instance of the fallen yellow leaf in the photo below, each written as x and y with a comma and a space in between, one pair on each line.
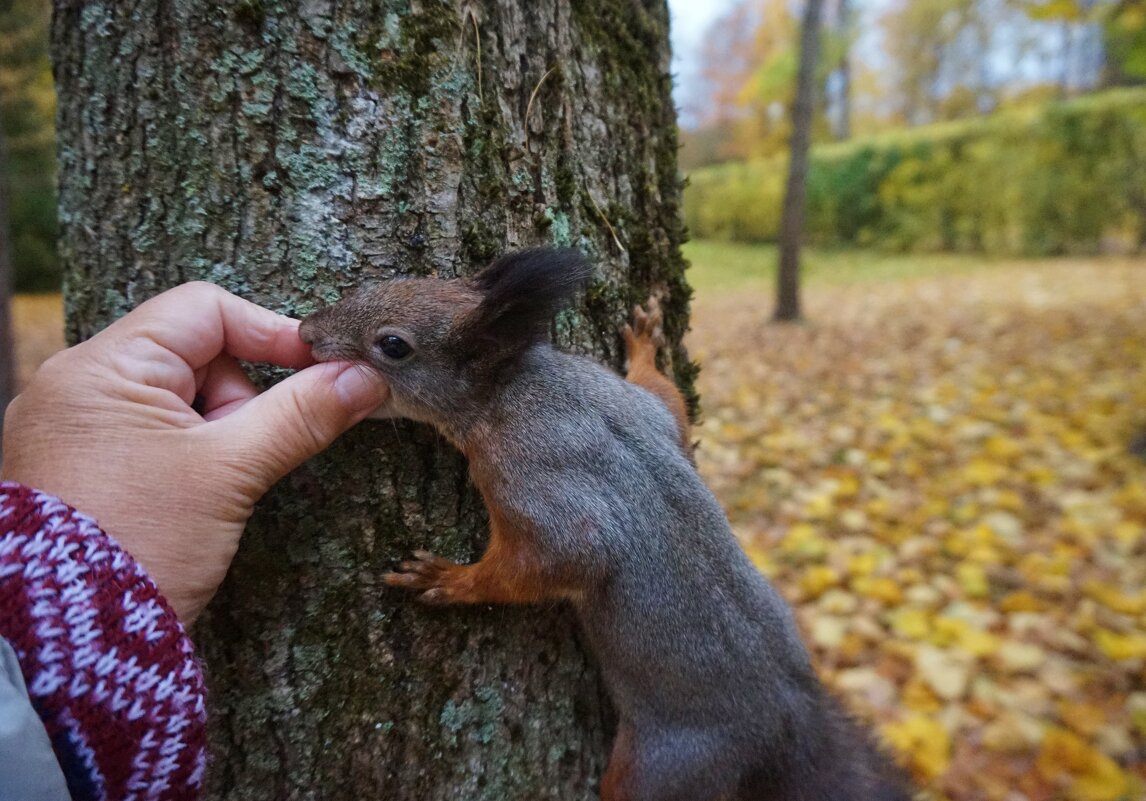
1120, 646
803, 541
880, 588
1001, 448
917, 696
923, 742
1116, 599
1084, 718
817, 579
1021, 601
978, 642
973, 579
1092, 776
913, 624
863, 564
981, 472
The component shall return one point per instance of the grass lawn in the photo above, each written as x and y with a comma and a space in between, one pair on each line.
725, 266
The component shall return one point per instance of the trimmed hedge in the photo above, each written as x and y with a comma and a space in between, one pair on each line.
1065, 177
32, 226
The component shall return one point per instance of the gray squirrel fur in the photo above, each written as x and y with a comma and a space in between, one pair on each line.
594, 499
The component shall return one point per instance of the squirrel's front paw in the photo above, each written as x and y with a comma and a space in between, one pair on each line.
647, 325
432, 576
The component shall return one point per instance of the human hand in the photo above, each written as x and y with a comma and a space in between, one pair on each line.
108, 426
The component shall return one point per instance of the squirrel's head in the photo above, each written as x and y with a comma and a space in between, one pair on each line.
435, 341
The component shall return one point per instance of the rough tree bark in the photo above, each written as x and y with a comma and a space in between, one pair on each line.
7, 346
288, 150
792, 217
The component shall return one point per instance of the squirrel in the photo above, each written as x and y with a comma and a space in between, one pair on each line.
593, 499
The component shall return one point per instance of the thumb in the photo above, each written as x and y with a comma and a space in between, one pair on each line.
303, 414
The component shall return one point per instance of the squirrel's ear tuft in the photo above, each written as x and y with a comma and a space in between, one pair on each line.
524, 289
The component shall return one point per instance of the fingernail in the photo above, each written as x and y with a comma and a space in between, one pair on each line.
360, 389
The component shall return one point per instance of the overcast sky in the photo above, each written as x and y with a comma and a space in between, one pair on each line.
690, 19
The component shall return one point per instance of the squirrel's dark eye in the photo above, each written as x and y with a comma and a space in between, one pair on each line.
394, 347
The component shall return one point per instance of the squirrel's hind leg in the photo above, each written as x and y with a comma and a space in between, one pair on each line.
615, 782
642, 339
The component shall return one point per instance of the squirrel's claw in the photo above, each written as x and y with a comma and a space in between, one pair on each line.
425, 573
435, 597
647, 323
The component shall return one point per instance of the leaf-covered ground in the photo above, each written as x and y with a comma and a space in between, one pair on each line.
939, 474
38, 330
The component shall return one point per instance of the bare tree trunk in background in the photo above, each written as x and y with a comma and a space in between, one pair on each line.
792, 221
1064, 88
289, 150
844, 131
7, 345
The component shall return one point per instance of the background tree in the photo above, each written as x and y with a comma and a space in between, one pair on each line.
792, 223
840, 79
952, 59
7, 348
27, 110
916, 34
1076, 28
736, 47
1124, 37
768, 90
733, 47
288, 150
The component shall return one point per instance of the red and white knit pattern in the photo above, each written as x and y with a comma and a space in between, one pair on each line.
106, 661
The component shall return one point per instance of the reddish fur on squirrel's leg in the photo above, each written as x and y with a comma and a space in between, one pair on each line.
504, 575
614, 781
642, 339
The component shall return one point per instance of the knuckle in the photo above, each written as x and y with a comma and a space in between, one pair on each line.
204, 288
55, 365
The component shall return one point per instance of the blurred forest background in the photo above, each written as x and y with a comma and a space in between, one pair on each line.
28, 108
986, 126
981, 126
944, 467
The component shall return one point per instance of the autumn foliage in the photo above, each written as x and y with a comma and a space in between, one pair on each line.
1067, 177
939, 475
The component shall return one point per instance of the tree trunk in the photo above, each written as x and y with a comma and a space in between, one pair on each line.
838, 85
289, 150
7, 346
792, 219
846, 25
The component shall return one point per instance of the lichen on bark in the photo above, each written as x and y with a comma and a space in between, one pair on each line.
289, 150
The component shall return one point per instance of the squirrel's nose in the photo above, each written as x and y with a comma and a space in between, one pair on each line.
306, 331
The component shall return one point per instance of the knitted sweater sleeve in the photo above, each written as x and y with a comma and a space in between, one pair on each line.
106, 662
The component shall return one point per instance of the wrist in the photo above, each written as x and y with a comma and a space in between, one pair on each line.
106, 661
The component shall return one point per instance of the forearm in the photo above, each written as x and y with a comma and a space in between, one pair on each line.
106, 662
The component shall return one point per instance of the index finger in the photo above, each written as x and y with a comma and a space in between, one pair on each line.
198, 321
